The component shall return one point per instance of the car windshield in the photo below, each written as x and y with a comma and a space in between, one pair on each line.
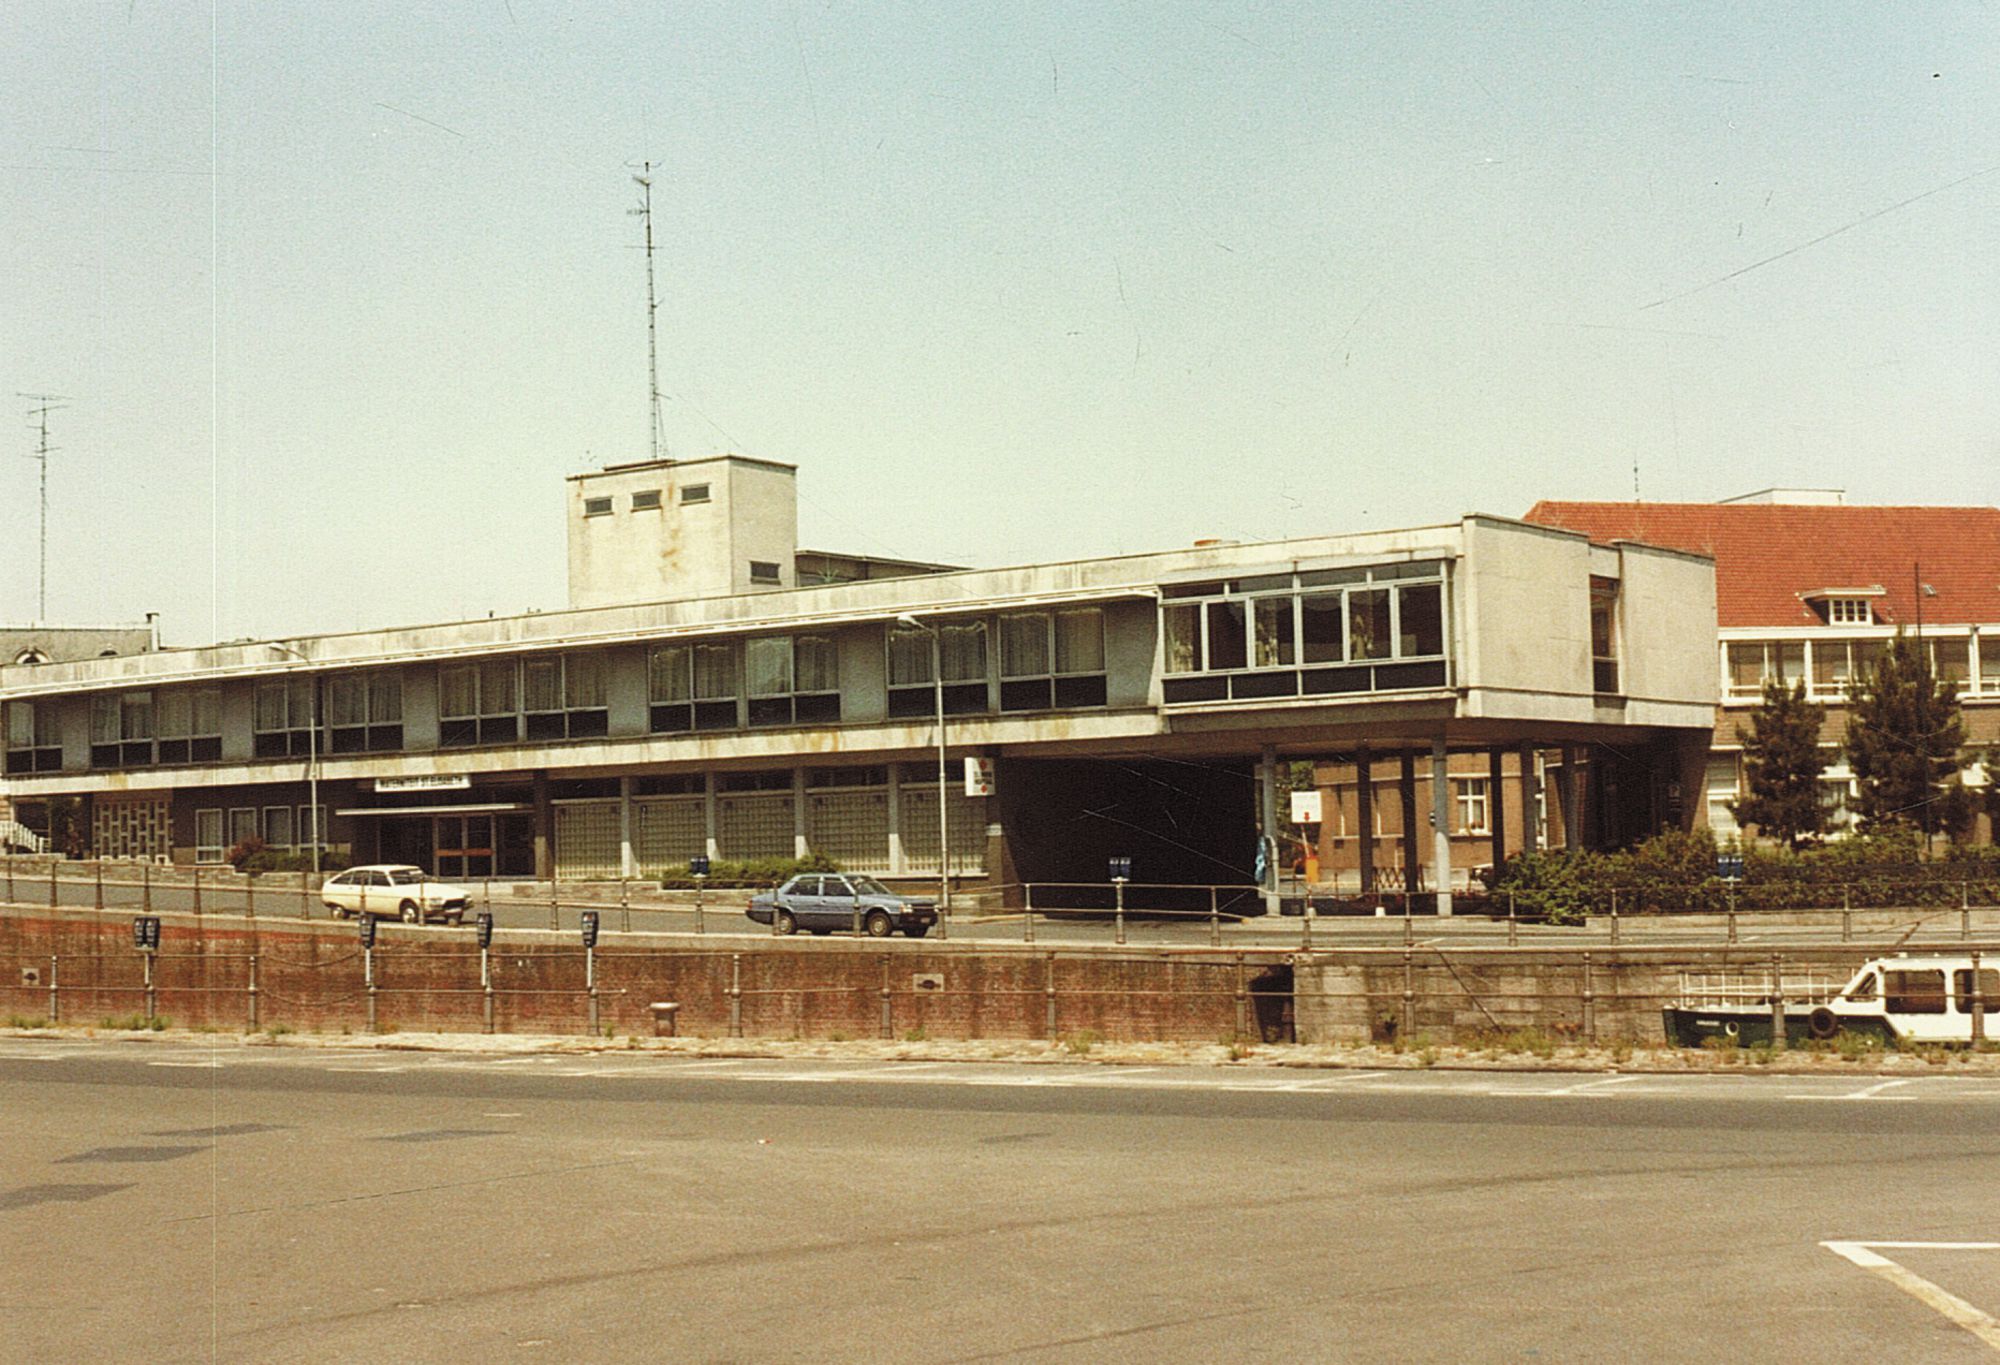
868, 886
404, 876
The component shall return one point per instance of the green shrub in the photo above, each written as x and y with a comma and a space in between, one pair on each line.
270, 860
747, 872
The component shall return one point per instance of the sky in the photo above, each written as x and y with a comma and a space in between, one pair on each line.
335, 296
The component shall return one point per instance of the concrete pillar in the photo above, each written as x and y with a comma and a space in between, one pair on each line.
708, 816
545, 861
1413, 857
1531, 834
896, 866
1267, 823
1496, 804
1441, 824
800, 847
1364, 815
628, 865
1570, 786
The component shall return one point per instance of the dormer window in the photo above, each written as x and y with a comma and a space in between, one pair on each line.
1850, 606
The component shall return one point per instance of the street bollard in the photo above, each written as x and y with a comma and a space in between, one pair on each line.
1214, 919
197, 889
97, 872
1589, 1002
55, 1011
555, 910
1409, 1020
1779, 1030
486, 982
888, 1020
253, 992
305, 895
700, 881
1118, 906
1409, 926
9, 859
1306, 924
1614, 916
1978, 1003
590, 986
1049, 997
625, 904
249, 896
1513, 925
1242, 1001
146, 887
1732, 917
736, 995
52, 886
1028, 912
152, 1000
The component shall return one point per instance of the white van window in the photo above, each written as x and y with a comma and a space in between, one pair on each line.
1914, 992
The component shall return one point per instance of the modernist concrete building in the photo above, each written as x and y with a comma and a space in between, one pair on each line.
686, 703
41, 644
1810, 588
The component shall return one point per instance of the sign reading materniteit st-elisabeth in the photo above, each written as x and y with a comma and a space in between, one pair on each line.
431, 782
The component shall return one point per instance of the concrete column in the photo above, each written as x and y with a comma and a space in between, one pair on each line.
1364, 815
1496, 804
628, 866
1441, 824
1267, 821
545, 862
1570, 787
896, 865
708, 815
1413, 843
1530, 834
800, 846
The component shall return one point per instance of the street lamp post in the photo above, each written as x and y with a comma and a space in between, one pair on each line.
937, 690
312, 759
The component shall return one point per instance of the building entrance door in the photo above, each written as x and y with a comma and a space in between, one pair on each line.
464, 845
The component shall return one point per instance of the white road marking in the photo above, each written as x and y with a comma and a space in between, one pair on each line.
211, 1065
1872, 1092
1588, 1087
1957, 1310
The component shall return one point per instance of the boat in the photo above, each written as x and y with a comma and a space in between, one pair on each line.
1903, 1000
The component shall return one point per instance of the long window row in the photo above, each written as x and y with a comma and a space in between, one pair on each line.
1828, 667
173, 725
1319, 631
506, 701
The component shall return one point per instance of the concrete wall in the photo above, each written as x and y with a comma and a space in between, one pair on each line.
680, 549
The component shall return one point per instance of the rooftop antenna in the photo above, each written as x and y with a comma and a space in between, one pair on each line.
38, 416
644, 180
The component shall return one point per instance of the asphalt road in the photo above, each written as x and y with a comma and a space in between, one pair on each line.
216, 1201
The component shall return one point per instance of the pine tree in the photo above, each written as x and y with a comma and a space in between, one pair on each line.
1781, 766
1903, 737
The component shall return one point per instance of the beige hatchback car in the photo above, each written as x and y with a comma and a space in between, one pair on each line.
401, 890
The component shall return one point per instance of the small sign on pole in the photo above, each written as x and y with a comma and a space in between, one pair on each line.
590, 928
1307, 807
485, 925
978, 775
366, 925
1121, 869
146, 933
698, 865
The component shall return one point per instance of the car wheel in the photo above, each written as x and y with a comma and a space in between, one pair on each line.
337, 911
411, 915
878, 925
786, 924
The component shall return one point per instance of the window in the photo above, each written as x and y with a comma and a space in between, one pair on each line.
764, 571
1752, 663
1949, 660
670, 702
33, 744
792, 680
597, 507
1913, 992
277, 826
961, 645
1722, 789
208, 846
364, 711
1474, 813
646, 500
563, 696
1849, 611
1989, 990
1052, 659
476, 704
282, 719
694, 492
242, 826
121, 730
718, 681
190, 724
311, 827
1603, 634
1316, 631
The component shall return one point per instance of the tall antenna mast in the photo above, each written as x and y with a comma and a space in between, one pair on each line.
644, 180
38, 416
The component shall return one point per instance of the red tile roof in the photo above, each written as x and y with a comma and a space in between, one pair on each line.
1768, 554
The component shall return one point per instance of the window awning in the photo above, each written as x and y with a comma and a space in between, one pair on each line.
471, 808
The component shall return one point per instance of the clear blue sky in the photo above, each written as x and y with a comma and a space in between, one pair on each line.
357, 283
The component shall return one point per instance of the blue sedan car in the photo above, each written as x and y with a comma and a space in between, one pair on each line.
820, 902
